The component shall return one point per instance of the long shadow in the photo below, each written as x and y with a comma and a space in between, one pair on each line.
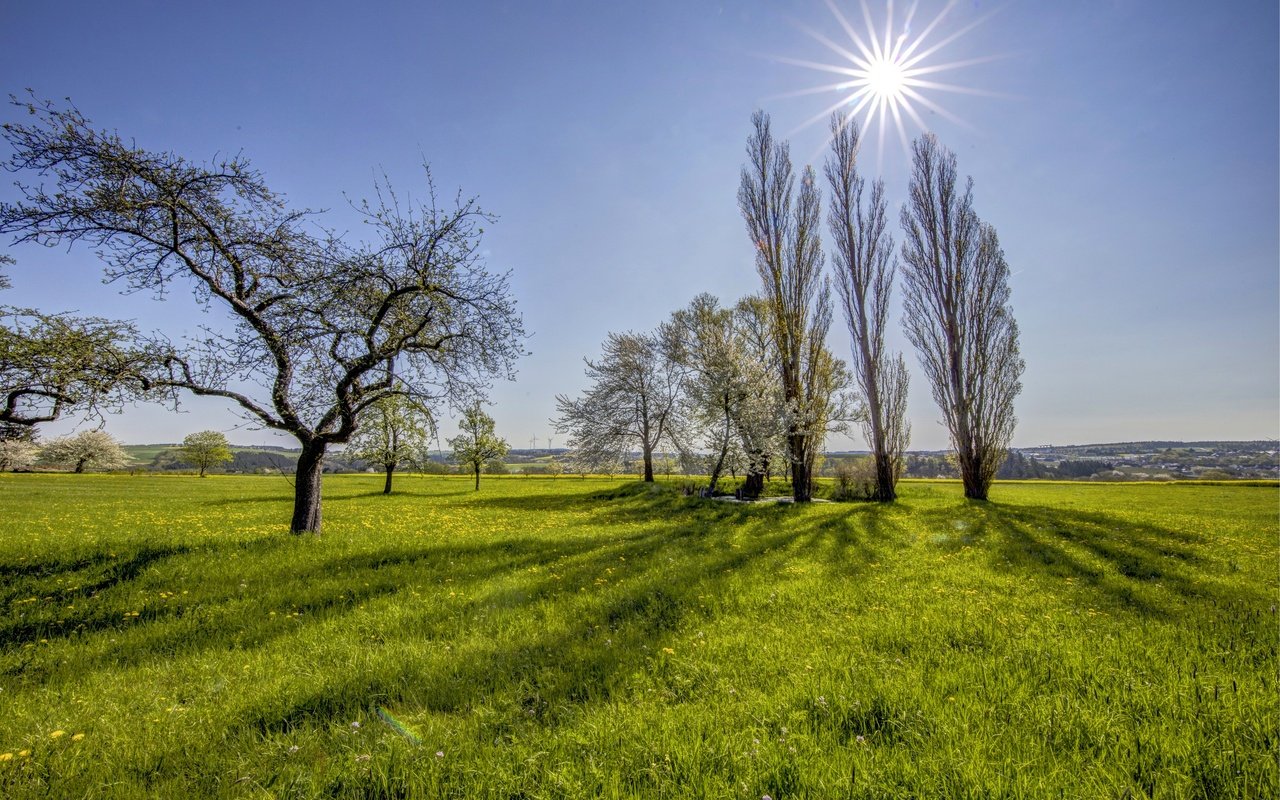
681, 552
79, 577
677, 564
1150, 569
331, 587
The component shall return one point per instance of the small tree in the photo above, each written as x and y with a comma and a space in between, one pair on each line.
958, 315
477, 443
205, 450
554, 468
391, 432
89, 449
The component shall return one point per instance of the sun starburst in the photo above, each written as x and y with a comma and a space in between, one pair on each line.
886, 72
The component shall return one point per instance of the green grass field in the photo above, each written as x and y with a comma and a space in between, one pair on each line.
164, 637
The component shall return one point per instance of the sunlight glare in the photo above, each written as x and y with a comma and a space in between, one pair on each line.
881, 72
885, 78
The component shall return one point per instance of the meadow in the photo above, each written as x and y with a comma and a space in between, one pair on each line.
164, 636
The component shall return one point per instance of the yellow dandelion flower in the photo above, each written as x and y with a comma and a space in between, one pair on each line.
23, 753
668, 651
57, 734
6, 756
77, 737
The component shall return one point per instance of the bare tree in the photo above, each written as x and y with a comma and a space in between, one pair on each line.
958, 314
784, 231
863, 256
321, 327
632, 402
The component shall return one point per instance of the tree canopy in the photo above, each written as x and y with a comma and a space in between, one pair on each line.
865, 270
392, 431
205, 450
85, 450
784, 228
52, 365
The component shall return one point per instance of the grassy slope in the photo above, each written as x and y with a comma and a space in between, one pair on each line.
579, 638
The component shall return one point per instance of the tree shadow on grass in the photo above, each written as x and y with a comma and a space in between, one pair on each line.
599, 642
676, 551
1152, 570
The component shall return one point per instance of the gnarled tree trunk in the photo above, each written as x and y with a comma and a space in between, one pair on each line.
386, 489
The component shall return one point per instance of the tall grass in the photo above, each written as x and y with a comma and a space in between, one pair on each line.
164, 636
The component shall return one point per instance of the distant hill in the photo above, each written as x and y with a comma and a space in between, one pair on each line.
1152, 460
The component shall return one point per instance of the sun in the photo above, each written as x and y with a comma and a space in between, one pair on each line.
886, 71
886, 79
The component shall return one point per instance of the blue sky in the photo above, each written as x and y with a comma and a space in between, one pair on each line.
1128, 160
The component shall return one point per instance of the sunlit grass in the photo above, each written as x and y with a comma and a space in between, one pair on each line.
164, 637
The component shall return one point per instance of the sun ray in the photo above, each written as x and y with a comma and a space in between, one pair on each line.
954, 88
929, 29
880, 136
825, 89
902, 131
821, 115
848, 28
949, 39
834, 68
871, 31
830, 45
911, 72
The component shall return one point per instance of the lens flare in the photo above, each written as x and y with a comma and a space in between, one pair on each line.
883, 72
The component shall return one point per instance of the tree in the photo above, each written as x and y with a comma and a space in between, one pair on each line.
703, 340
392, 431
56, 364
477, 444
18, 448
761, 420
863, 254
321, 328
632, 401
89, 449
554, 468
958, 317
789, 260
205, 449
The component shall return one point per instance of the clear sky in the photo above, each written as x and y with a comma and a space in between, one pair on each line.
1125, 150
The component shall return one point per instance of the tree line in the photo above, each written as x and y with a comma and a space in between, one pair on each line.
755, 383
